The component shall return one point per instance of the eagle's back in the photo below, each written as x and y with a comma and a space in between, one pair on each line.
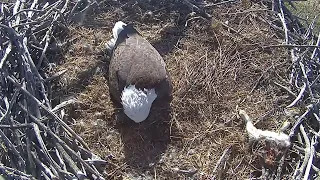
135, 61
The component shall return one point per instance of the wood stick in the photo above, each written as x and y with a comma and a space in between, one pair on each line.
310, 160
57, 118
54, 166
287, 89
302, 90
306, 154
299, 121
44, 168
291, 46
62, 143
11, 172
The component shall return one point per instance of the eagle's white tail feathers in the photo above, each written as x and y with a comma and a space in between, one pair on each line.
137, 103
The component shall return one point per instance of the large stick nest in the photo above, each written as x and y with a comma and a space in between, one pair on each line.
58, 122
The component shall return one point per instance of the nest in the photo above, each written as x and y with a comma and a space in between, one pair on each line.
58, 122
37, 142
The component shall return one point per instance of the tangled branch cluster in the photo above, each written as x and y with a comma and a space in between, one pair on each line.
303, 47
36, 142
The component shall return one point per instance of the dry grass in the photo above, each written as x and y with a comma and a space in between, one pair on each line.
213, 71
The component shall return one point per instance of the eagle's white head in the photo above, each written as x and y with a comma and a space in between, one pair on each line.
137, 103
118, 27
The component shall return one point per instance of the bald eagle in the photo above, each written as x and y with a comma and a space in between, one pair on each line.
137, 72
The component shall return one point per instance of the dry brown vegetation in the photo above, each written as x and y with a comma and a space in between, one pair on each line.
216, 65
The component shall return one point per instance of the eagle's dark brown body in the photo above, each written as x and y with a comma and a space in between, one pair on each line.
135, 61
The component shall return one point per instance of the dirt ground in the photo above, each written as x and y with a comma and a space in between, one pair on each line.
216, 65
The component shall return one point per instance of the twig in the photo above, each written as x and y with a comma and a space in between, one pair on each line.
56, 168
310, 161
299, 121
35, 71
24, 55
15, 126
247, 11
303, 89
61, 162
5, 117
64, 104
306, 154
21, 162
4, 58
282, 18
31, 163
47, 39
15, 11
291, 46
222, 160
279, 29
296, 171
56, 75
310, 28
23, 11
45, 170
306, 81
280, 166
33, 5
315, 80
285, 88
219, 3
14, 172
315, 51
70, 162
197, 9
